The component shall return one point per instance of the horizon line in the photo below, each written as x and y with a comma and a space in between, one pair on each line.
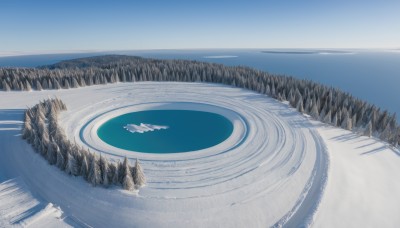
83, 51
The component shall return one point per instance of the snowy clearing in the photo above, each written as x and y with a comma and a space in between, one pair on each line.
277, 168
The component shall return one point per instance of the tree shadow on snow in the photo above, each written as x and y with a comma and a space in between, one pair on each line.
11, 121
382, 148
345, 137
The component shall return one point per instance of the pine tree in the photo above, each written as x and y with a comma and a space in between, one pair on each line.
36, 142
121, 172
368, 129
115, 178
84, 172
44, 142
60, 159
6, 87
56, 84
349, 123
322, 115
314, 111
38, 85
111, 168
139, 177
71, 166
104, 171
299, 106
66, 84
75, 83
51, 155
327, 118
127, 182
345, 119
354, 120
28, 86
27, 131
94, 172
40, 115
385, 135
335, 120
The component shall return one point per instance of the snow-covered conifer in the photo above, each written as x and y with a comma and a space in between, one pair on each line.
27, 131
104, 171
28, 86
127, 182
6, 87
115, 177
368, 129
38, 85
299, 106
60, 159
139, 177
322, 115
84, 172
44, 142
354, 120
71, 167
327, 118
335, 120
94, 171
56, 84
36, 142
66, 84
51, 155
75, 83
314, 111
386, 133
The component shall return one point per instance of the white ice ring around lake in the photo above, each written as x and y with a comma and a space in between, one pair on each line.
89, 132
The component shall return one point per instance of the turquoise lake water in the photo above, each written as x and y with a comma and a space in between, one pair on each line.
187, 131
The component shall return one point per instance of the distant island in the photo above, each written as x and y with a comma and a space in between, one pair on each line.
310, 52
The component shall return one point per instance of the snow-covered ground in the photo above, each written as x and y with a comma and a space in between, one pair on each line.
278, 167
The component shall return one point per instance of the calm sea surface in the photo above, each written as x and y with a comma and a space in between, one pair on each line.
370, 75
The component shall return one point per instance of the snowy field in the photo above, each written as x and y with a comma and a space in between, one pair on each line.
278, 167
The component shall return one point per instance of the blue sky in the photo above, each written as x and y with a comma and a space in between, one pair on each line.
43, 25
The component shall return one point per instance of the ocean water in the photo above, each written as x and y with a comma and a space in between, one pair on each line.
165, 131
373, 76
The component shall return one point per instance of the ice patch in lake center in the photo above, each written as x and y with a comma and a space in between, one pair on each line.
142, 128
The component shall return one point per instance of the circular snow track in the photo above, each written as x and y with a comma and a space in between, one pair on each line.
89, 132
270, 171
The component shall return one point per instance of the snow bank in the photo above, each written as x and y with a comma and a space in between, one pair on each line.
19, 207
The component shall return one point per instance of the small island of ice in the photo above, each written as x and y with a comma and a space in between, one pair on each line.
142, 128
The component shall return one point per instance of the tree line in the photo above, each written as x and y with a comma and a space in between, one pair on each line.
327, 104
43, 132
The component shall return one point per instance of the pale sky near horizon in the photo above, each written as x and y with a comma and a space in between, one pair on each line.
46, 25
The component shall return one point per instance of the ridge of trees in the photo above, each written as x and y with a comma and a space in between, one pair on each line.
327, 104
48, 139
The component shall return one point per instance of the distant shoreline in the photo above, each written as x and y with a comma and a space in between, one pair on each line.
307, 52
267, 50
